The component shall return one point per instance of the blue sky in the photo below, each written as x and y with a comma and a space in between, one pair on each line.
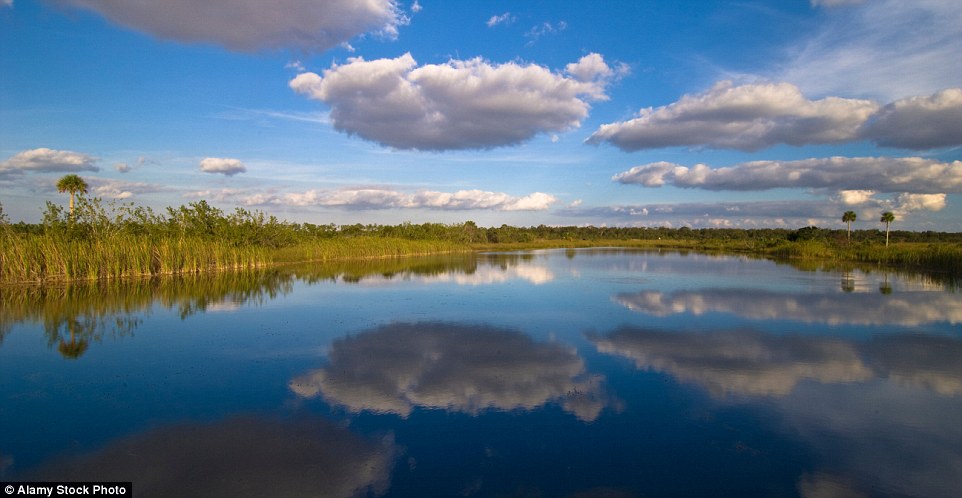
648, 113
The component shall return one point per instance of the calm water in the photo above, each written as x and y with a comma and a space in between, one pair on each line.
578, 373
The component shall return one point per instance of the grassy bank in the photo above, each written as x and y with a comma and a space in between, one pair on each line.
45, 258
105, 242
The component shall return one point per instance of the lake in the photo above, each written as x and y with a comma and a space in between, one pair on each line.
569, 373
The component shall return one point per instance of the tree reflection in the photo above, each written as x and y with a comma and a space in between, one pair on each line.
77, 314
398, 367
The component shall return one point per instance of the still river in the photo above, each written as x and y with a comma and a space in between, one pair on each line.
569, 373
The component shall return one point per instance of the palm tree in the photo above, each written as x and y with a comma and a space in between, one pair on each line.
849, 217
887, 218
72, 184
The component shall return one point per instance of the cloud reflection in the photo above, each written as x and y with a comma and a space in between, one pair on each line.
882, 413
754, 363
742, 362
239, 457
398, 367
904, 308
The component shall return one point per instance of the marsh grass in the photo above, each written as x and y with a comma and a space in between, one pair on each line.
37, 258
109, 242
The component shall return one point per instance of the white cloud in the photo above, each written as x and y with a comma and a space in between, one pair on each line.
48, 161
6, 3
855, 197
122, 167
469, 104
747, 117
919, 122
505, 18
886, 49
756, 116
224, 166
416, 7
116, 189
247, 25
383, 198
919, 202
882, 174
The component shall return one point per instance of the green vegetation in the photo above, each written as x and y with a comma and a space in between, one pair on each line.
110, 241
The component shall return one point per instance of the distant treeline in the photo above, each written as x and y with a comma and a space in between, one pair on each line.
99, 240
254, 228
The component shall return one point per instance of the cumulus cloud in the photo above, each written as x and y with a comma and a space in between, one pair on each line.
399, 367
919, 202
919, 122
116, 189
505, 18
882, 174
855, 197
377, 198
122, 167
223, 166
746, 117
248, 25
45, 160
757, 116
386, 198
470, 104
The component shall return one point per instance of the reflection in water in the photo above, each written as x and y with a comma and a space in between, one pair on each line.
755, 363
74, 315
822, 485
77, 314
904, 308
461, 368
884, 414
933, 363
885, 439
742, 362
238, 457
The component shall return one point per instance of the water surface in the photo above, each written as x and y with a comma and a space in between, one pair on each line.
573, 373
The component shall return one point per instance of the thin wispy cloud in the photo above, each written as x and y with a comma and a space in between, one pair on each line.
546, 28
505, 18
884, 49
470, 104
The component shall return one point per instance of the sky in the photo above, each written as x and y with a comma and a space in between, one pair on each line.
740, 114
